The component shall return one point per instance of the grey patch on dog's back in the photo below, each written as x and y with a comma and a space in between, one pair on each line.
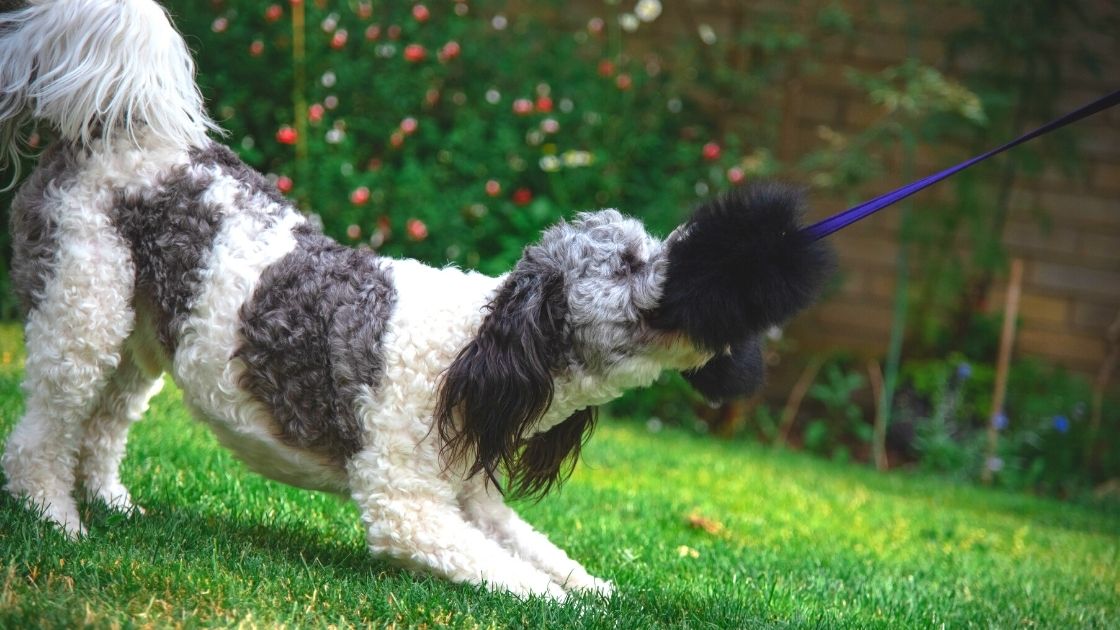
170, 232
253, 183
32, 224
312, 339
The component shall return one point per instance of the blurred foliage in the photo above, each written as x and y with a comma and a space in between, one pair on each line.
1045, 440
1016, 58
839, 414
909, 95
452, 133
1043, 435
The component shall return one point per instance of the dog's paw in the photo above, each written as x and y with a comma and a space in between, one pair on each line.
72, 526
63, 513
116, 498
604, 588
589, 584
555, 593
551, 591
61, 510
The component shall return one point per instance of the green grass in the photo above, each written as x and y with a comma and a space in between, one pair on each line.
794, 542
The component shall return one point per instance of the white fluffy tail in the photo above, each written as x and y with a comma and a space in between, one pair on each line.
95, 68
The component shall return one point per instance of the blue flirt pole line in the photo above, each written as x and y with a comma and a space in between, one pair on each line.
842, 220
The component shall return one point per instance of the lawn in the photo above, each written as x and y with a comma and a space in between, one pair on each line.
695, 533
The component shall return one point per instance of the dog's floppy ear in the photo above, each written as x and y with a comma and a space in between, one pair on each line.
739, 266
548, 458
738, 372
501, 382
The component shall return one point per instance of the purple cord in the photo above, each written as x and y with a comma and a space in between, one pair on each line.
851, 215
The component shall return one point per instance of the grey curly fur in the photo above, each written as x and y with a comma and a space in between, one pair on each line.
313, 341
612, 271
170, 231
254, 187
34, 245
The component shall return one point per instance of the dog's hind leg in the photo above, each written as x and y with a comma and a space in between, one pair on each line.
106, 431
74, 335
490, 514
413, 517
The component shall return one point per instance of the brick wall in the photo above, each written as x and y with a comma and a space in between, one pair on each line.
1072, 261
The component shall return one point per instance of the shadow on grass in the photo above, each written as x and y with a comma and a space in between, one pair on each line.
169, 528
166, 552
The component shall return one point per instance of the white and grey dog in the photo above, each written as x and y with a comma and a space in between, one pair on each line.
143, 247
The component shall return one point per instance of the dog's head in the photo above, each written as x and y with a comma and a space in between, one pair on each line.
599, 306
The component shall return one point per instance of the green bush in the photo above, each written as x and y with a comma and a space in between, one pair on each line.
1044, 438
450, 132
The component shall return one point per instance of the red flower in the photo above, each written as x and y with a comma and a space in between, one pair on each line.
373, 32
735, 175
256, 48
522, 196
420, 13
623, 81
408, 125
449, 51
523, 107
338, 40
415, 53
284, 184
416, 229
544, 104
493, 188
606, 68
273, 12
394, 32
711, 151
396, 139
315, 112
359, 196
286, 135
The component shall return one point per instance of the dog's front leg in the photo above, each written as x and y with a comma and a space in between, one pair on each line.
412, 516
486, 509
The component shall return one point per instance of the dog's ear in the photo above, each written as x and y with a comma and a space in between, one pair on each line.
548, 458
740, 265
738, 372
501, 382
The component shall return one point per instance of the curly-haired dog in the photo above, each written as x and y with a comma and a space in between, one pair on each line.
142, 247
